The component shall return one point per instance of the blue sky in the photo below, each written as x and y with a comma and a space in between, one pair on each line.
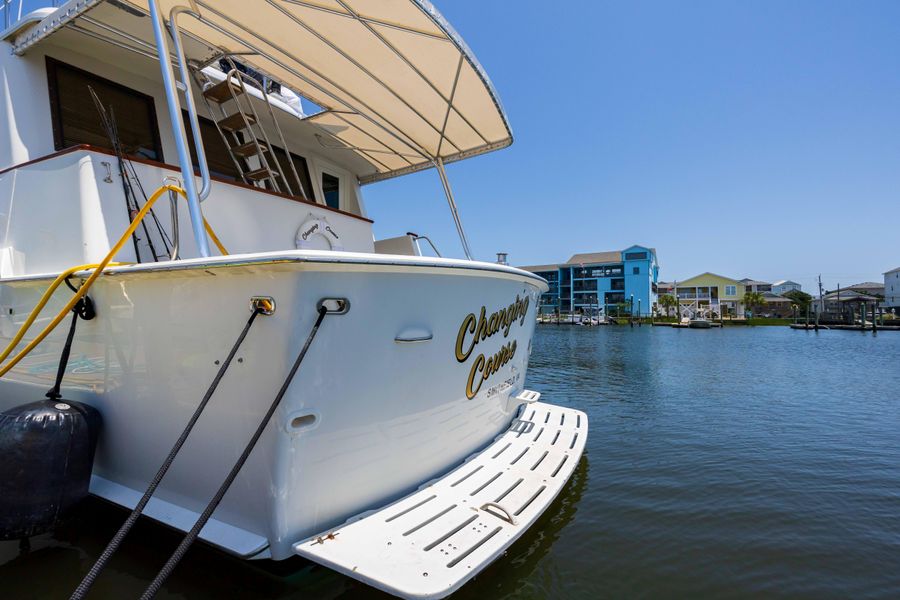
756, 139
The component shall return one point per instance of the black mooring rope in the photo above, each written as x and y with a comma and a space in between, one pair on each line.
170, 565
113, 545
84, 309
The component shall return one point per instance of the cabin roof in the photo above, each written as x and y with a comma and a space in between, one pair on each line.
540, 268
590, 258
398, 86
708, 275
865, 284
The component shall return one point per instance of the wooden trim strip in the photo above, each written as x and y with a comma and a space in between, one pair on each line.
161, 165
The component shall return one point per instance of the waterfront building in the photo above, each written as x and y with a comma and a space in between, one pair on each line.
783, 286
892, 290
752, 285
615, 282
869, 288
844, 305
710, 295
776, 306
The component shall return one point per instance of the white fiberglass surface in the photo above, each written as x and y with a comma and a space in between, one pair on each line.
366, 420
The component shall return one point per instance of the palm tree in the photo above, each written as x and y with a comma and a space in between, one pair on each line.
753, 300
667, 301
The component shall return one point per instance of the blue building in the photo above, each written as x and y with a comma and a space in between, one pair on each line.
619, 282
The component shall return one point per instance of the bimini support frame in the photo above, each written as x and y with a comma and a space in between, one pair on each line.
205, 183
184, 156
439, 165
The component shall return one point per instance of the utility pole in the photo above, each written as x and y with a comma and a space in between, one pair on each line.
631, 311
821, 306
840, 306
677, 301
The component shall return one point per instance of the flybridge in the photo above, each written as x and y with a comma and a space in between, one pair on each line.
399, 89
398, 86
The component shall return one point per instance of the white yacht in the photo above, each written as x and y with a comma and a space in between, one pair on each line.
405, 451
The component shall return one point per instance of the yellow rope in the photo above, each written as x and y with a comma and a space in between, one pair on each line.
40, 306
212, 234
98, 269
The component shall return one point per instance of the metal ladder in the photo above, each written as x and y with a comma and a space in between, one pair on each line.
242, 130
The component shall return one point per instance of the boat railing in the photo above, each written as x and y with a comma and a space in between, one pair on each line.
14, 10
416, 237
174, 106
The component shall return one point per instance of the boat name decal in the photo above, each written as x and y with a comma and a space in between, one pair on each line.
474, 330
310, 231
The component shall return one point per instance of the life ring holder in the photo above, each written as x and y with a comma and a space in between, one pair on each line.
317, 226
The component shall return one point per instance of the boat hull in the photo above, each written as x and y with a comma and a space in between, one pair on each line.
381, 402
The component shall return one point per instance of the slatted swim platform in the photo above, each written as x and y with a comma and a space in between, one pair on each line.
430, 543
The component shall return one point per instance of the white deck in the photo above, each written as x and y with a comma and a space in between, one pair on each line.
430, 543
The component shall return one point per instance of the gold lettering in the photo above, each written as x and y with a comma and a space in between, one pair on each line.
482, 333
468, 324
482, 328
493, 326
476, 366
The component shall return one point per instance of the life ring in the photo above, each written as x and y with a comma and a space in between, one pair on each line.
317, 226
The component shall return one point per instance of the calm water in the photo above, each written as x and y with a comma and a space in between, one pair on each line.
729, 463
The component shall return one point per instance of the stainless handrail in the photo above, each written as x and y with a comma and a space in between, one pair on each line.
173, 214
205, 183
416, 237
439, 164
287, 151
184, 156
202, 81
263, 160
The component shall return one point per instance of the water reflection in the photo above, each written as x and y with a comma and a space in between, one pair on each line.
734, 463
511, 575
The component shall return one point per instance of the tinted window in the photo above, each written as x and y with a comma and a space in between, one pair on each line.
217, 156
76, 120
635, 255
331, 190
288, 175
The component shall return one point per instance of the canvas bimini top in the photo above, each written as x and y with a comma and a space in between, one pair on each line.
398, 86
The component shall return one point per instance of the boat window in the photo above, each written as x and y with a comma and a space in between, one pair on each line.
217, 156
288, 175
76, 121
331, 190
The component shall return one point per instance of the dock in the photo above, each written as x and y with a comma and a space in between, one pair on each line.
845, 327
